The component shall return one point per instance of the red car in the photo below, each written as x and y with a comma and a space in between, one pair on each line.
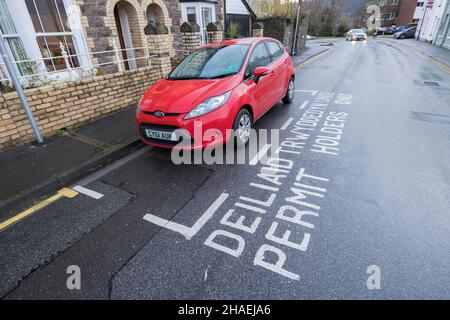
220, 86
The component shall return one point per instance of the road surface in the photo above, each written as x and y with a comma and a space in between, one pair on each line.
357, 206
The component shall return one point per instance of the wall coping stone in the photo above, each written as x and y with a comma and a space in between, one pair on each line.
189, 27
214, 26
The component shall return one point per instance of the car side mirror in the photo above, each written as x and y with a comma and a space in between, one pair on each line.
260, 72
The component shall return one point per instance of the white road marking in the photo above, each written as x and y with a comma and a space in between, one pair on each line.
186, 231
260, 155
313, 92
304, 104
88, 192
286, 125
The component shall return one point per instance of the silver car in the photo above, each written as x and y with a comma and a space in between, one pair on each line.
356, 34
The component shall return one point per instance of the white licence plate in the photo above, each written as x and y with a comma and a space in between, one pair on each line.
161, 135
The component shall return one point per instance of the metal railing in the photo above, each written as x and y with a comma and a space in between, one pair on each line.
36, 68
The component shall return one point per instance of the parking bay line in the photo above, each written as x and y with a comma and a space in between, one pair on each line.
189, 232
88, 192
66, 192
286, 125
260, 155
304, 104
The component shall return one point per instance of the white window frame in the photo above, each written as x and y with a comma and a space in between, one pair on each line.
26, 32
198, 14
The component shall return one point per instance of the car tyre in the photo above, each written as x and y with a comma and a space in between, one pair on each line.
242, 127
290, 93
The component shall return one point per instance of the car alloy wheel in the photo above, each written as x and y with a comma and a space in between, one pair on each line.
242, 127
290, 92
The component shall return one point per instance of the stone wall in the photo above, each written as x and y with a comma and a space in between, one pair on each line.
68, 105
283, 30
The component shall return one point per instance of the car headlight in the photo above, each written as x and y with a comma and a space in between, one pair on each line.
138, 108
208, 105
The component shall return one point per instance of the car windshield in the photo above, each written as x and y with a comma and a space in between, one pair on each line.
211, 63
357, 31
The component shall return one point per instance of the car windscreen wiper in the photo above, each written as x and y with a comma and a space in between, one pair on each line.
223, 75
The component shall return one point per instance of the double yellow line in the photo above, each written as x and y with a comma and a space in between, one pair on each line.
63, 193
437, 63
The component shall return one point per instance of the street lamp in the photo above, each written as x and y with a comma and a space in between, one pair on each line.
16, 83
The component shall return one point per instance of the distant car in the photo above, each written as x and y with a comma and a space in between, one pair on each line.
356, 34
390, 30
409, 33
308, 37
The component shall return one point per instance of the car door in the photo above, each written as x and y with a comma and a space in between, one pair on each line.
261, 94
278, 69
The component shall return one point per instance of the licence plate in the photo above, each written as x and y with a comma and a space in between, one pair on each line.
161, 135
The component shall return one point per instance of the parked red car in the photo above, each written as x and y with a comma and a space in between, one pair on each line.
227, 85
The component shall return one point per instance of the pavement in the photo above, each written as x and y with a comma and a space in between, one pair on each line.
361, 212
312, 49
438, 53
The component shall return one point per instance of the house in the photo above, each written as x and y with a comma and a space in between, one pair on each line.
90, 32
395, 12
433, 22
239, 11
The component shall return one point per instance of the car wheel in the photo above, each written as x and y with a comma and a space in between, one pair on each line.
402, 36
242, 127
290, 93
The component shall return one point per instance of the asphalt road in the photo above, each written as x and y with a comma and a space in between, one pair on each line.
375, 197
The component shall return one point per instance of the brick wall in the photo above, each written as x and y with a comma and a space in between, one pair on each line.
69, 105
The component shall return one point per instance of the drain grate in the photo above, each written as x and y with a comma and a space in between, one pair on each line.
431, 83
430, 117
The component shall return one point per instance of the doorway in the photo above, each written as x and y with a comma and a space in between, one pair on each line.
121, 16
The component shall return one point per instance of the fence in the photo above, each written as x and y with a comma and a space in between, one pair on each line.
32, 72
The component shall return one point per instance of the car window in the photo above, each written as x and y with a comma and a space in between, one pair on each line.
211, 63
274, 50
259, 58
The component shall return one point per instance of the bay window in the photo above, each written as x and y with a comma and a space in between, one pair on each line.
13, 40
35, 30
52, 28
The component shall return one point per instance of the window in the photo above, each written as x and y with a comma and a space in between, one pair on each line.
52, 27
191, 14
259, 58
274, 50
388, 16
201, 13
420, 4
12, 38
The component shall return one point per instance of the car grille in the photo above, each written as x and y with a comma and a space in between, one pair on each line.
186, 139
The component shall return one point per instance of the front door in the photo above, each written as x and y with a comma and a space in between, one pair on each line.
126, 42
